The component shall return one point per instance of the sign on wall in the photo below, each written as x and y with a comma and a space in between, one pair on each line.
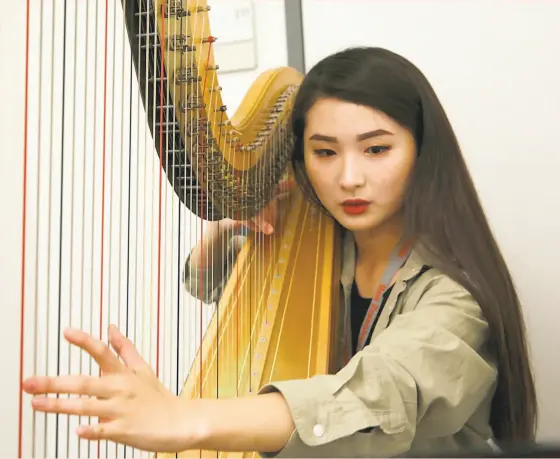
233, 22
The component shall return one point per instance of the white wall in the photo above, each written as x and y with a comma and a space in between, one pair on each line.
495, 67
12, 47
270, 42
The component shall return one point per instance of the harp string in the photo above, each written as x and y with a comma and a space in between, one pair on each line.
24, 230
187, 60
49, 212
125, 329
61, 217
37, 196
103, 185
113, 223
93, 194
203, 181
170, 212
84, 181
71, 281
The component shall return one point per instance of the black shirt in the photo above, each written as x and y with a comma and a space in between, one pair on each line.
358, 310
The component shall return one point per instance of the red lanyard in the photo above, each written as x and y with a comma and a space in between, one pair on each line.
397, 259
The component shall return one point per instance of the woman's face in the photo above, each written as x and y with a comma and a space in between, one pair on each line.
359, 162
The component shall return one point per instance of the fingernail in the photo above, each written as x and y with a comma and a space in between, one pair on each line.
39, 401
268, 228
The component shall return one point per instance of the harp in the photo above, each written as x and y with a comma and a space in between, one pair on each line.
134, 155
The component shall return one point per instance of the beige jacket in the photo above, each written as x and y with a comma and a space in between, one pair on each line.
423, 385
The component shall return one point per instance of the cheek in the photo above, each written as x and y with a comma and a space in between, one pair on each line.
320, 179
389, 183
316, 178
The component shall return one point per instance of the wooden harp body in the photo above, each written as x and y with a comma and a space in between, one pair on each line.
275, 315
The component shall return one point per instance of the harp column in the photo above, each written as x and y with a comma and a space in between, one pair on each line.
294, 34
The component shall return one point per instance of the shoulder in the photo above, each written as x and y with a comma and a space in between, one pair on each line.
431, 298
431, 282
424, 283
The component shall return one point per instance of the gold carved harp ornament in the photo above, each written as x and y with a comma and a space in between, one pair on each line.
130, 155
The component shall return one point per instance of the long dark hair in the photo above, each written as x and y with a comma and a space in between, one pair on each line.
442, 210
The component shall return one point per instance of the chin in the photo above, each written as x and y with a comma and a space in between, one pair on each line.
355, 223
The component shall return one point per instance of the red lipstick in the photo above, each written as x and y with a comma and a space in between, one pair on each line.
355, 206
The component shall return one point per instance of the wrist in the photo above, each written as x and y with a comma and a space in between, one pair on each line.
227, 225
251, 423
195, 427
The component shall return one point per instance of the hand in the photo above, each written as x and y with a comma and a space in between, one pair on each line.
267, 218
133, 407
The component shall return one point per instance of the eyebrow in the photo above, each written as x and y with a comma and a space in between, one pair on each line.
359, 137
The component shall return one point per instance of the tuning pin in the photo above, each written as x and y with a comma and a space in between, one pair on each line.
209, 39
175, 9
191, 105
180, 43
186, 75
200, 9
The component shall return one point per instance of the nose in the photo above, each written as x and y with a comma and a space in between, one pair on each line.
352, 174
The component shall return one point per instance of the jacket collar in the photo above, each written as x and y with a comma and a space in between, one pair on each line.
410, 269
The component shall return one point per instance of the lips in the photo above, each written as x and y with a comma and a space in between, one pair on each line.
355, 206
354, 202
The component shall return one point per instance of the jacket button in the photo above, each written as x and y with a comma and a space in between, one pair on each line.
318, 430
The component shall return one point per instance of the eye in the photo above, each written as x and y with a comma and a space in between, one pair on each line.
376, 149
323, 152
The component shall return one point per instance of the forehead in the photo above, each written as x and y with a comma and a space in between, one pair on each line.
345, 119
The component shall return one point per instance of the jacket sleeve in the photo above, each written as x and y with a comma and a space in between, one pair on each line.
427, 370
207, 284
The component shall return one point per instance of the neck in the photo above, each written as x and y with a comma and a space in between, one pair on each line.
374, 247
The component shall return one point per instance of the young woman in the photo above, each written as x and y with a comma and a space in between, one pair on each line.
442, 365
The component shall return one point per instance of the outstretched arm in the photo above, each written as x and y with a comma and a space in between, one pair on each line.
252, 423
136, 409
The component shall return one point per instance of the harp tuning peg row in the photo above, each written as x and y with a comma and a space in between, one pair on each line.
179, 43
175, 9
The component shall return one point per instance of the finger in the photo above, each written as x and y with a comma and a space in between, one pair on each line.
282, 201
77, 385
251, 225
269, 217
107, 361
110, 430
283, 197
124, 347
285, 185
77, 406
262, 224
